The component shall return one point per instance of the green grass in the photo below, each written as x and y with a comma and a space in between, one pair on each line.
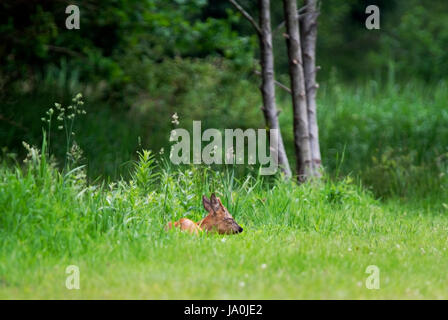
309, 241
393, 136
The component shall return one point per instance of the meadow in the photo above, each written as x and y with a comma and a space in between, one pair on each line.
86, 183
309, 241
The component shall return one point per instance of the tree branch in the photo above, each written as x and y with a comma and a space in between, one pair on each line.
300, 15
64, 50
247, 16
281, 85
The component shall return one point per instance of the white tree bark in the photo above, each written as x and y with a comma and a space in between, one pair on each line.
308, 31
268, 81
267, 73
299, 100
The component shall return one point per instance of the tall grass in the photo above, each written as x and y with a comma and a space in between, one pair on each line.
63, 213
299, 241
392, 136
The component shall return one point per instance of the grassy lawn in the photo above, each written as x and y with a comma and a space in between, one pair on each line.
310, 241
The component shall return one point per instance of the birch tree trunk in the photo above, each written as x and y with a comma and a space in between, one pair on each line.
308, 32
268, 81
298, 92
267, 88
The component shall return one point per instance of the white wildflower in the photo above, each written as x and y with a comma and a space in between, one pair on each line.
175, 119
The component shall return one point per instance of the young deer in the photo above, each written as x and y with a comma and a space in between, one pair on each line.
218, 219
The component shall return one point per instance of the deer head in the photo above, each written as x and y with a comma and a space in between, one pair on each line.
218, 219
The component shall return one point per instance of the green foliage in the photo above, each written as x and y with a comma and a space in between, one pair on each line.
364, 129
413, 35
392, 136
141, 62
398, 174
417, 40
35, 39
144, 172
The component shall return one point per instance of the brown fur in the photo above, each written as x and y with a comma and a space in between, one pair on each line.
185, 225
218, 219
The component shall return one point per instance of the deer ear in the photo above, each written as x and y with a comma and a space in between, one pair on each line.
206, 203
214, 202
